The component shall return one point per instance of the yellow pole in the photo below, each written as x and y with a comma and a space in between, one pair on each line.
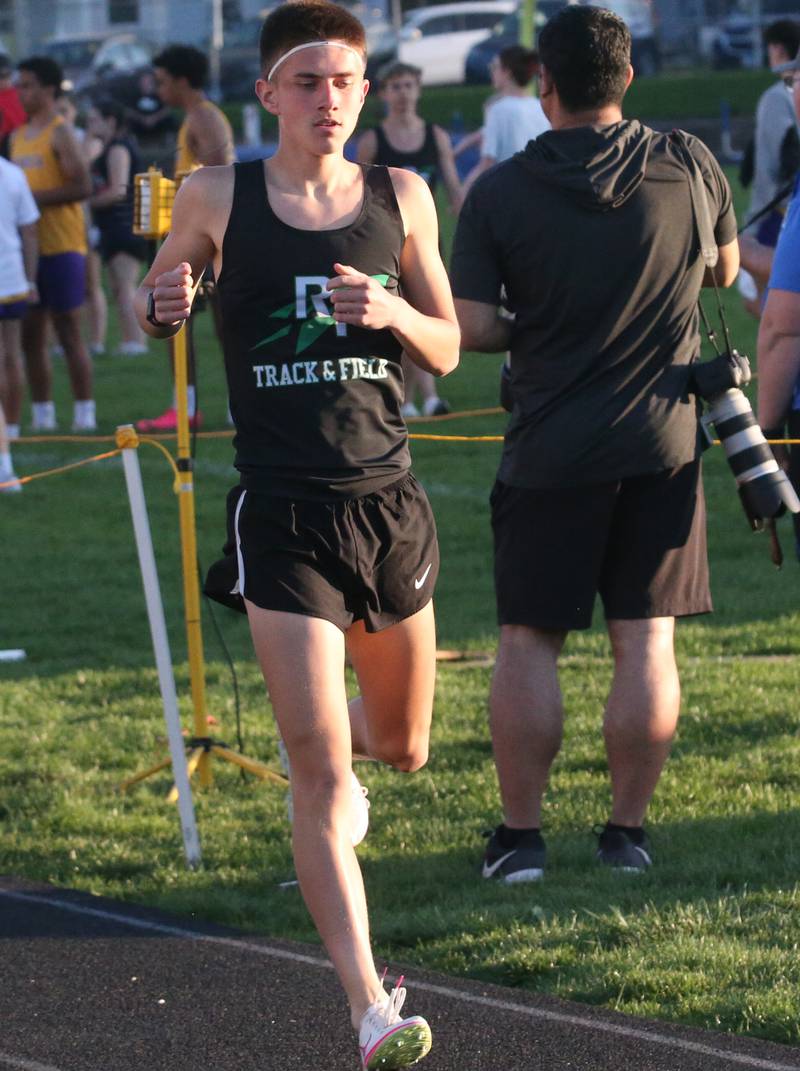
191, 588
527, 32
527, 18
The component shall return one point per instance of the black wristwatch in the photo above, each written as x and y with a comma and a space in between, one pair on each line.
150, 315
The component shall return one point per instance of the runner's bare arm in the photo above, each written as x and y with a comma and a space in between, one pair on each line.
482, 328
756, 258
78, 185
424, 319
199, 217
210, 137
727, 267
367, 147
447, 168
778, 356
30, 249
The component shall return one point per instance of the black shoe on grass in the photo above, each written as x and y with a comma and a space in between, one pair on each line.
511, 865
624, 849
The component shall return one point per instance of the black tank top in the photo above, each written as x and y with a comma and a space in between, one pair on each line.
425, 161
316, 404
118, 216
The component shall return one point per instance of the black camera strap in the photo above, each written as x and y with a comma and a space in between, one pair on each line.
704, 226
710, 254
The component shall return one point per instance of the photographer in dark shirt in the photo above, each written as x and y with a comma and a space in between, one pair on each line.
591, 232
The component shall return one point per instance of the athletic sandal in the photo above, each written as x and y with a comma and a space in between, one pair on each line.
386, 1040
359, 818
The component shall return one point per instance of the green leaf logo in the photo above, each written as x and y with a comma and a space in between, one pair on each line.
311, 328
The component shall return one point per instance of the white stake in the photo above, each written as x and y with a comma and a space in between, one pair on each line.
158, 631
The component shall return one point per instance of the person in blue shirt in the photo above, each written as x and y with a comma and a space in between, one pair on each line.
778, 350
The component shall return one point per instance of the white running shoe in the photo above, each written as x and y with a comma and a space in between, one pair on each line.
408, 409
360, 814
358, 794
44, 421
9, 482
388, 1041
131, 349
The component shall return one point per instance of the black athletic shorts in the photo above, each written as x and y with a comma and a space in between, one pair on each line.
640, 542
373, 559
115, 240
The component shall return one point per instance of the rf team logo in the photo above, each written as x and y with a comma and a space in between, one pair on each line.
311, 306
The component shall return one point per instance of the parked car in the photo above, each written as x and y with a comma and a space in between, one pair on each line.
638, 14
437, 39
504, 34
74, 53
95, 66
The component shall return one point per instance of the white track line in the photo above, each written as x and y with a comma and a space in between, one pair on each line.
24, 1065
525, 1010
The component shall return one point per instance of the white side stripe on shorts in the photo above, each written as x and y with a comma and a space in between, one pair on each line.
239, 589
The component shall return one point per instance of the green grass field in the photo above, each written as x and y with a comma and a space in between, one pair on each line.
708, 937
673, 96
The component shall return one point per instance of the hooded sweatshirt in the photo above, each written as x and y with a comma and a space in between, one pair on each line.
590, 233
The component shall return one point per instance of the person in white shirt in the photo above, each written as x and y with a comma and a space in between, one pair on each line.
18, 264
515, 117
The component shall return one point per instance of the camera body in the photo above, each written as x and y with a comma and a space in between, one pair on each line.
764, 488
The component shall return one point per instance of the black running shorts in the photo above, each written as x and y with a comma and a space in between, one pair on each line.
373, 559
640, 542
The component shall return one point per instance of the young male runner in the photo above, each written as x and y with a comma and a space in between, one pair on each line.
405, 139
47, 151
334, 539
205, 139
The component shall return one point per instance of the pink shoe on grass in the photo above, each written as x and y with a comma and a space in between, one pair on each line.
168, 421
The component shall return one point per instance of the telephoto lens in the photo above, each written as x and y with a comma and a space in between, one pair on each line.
764, 487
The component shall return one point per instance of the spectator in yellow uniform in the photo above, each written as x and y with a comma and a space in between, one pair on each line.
48, 152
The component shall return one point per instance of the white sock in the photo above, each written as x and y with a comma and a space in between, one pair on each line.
83, 414
43, 412
6, 468
13, 431
191, 401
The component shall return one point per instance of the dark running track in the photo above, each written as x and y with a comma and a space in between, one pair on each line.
88, 984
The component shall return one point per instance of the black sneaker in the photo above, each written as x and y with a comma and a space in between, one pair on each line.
625, 851
524, 862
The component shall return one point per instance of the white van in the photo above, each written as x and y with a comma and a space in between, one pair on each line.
437, 39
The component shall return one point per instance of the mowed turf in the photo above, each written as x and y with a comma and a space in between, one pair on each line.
709, 936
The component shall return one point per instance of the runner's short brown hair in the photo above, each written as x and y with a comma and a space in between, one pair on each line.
301, 21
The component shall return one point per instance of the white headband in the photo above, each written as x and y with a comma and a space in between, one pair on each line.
311, 44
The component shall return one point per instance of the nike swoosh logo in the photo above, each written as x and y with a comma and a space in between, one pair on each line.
490, 868
421, 580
